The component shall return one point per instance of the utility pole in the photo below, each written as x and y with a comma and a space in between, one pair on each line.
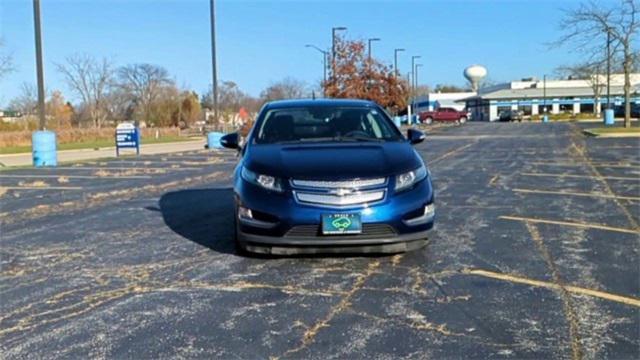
39, 64
608, 68
395, 61
325, 54
213, 61
333, 48
416, 79
369, 47
413, 74
544, 93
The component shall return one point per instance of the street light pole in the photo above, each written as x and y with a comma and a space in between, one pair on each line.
608, 68
325, 54
413, 74
395, 61
333, 47
416, 79
369, 47
39, 63
214, 89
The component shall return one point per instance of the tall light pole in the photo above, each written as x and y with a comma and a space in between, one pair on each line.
416, 76
39, 64
608, 68
333, 47
395, 61
369, 41
413, 66
214, 89
325, 54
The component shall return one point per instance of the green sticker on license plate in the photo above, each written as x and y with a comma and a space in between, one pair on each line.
341, 224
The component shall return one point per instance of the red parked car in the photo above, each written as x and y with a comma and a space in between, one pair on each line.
444, 114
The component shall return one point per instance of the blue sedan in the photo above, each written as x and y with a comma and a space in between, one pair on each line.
327, 176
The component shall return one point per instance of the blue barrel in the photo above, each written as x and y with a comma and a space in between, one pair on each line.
545, 118
44, 148
213, 140
397, 120
608, 117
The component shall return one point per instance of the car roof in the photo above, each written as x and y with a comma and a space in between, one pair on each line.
293, 103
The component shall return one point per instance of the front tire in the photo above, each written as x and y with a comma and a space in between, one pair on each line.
428, 120
239, 246
463, 120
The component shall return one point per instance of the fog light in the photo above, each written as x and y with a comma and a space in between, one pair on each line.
244, 213
430, 210
427, 216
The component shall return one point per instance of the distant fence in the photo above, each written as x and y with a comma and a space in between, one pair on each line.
23, 137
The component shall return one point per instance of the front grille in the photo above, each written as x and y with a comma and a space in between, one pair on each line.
369, 231
349, 184
339, 199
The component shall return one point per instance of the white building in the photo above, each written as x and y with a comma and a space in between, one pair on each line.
535, 97
433, 101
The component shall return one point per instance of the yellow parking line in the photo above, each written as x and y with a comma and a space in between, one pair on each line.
73, 176
611, 165
574, 224
549, 285
570, 193
452, 152
41, 187
582, 176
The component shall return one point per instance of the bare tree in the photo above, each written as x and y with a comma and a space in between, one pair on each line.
287, 88
91, 80
6, 61
592, 74
588, 27
27, 101
145, 83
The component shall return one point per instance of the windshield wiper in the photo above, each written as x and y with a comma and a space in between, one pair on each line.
358, 138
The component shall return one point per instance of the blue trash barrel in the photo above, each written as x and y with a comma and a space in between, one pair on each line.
213, 140
43, 144
397, 120
545, 118
608, 117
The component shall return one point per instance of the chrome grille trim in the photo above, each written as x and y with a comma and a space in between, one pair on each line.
355, 198
349, 184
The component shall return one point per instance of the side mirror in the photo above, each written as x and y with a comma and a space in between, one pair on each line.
231, 141
415, 136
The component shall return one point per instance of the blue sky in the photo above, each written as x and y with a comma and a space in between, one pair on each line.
263, 41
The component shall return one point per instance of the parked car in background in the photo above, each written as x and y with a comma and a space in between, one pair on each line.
444, 114
618, 111
512, 115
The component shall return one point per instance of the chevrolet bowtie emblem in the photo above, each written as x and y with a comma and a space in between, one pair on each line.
341, 192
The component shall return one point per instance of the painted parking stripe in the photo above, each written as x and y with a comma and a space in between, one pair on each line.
549, 285
122, 168
48, 176
609, 165
582, 176
569, 223
41, 187
570, 193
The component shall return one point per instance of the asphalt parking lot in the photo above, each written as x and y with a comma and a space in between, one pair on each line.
535, 255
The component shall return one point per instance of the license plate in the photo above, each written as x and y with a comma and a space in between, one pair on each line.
336, 224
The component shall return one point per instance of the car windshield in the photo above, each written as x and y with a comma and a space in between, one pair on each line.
321, 123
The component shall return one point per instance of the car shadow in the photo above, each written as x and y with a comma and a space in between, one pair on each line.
204, 216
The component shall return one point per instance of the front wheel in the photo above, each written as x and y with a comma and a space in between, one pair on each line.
463, 120
428, 120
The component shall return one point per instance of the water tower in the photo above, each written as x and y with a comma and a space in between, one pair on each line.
474, 74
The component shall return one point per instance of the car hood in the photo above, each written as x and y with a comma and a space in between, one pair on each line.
332, 161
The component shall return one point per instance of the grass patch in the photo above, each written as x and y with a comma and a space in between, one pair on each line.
615, 130
93, 144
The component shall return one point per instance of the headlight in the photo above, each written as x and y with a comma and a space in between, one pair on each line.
408, 179
265, 181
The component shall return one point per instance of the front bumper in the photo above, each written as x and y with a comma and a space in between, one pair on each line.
296, 227
330, 244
